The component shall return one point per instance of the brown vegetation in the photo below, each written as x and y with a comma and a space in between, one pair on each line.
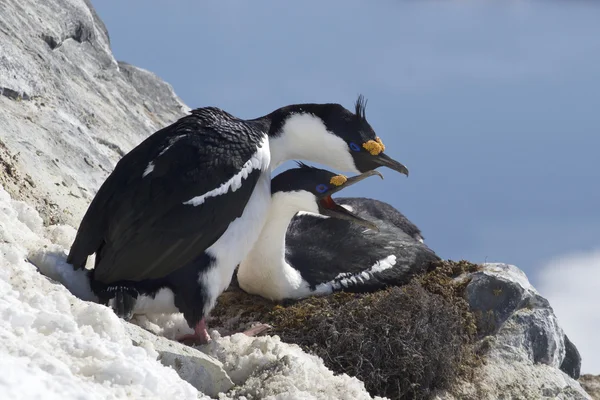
402, 342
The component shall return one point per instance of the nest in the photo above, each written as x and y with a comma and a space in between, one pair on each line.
402, 342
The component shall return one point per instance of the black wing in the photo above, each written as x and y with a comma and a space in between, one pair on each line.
379, 210
140, 227
322, 249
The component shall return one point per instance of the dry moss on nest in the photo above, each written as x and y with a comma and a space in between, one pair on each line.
402, 342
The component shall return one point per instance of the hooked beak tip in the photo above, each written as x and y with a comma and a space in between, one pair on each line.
385, 161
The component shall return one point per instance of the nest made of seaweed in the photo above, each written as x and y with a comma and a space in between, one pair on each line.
402, 342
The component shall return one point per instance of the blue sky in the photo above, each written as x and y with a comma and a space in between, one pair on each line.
494, 107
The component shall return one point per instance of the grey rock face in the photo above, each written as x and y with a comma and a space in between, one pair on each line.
571, 364
525, 352
68, 109
514, 312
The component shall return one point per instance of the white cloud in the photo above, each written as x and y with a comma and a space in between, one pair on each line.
572, 285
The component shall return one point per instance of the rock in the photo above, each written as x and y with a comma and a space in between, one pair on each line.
157, 95
204, 372
499, 378
571, 364
591, 384
525, 353
516, 314
68, 109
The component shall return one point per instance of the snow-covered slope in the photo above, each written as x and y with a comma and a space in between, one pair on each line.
55, 345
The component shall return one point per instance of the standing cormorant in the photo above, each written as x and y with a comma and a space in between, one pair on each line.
182, 209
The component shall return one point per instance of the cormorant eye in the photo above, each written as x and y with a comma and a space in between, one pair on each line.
322, 188
354, 146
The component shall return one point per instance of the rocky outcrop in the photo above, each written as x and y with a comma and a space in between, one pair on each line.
68, 109
525, 353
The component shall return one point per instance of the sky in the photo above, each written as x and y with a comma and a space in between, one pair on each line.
493, 106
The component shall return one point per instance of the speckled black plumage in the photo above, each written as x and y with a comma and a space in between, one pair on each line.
321, 249
139, 227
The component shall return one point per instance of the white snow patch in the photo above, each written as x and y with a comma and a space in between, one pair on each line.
53, 345
266, 368
62, 235
29, 216
52, 262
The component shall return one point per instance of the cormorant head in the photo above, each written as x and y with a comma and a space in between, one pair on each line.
328, 134
309, 189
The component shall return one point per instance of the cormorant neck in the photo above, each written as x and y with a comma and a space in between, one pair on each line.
266, 261
300, 131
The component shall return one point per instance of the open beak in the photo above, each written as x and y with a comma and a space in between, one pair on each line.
331, 209
384, 160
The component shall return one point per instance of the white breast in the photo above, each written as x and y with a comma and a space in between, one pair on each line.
237, 241
230, 249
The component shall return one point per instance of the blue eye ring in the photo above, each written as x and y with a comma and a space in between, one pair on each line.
321, 188
354, 146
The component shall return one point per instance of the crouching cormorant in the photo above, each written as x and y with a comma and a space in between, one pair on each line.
301, 251
182, 209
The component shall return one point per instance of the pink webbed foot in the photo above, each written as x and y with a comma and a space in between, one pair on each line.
200, 335
258, 330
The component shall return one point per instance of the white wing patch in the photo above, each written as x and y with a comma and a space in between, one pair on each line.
171, 143
148, 169
255, 162
150, 166
346, 279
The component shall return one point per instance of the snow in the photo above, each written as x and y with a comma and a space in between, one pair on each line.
54, 345
266, 368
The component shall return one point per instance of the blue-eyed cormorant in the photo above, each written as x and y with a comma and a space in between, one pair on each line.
182, 209
301, 252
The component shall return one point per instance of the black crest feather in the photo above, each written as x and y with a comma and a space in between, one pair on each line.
360, 107
301, 165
